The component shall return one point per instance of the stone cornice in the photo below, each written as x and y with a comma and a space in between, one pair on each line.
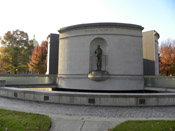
104, 25
156, 34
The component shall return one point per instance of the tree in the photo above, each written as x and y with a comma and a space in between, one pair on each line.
1, 66
167, 58
15, 51
2, 70
38, 62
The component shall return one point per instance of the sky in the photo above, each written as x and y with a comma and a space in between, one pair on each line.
42, 17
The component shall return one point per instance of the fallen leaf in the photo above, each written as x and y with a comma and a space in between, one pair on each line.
12, 115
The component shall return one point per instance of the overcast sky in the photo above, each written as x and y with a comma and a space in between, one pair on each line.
42, 17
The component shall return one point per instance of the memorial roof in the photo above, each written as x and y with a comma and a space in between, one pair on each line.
107, 25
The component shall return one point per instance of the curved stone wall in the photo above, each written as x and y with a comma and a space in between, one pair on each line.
98, 99
122, 46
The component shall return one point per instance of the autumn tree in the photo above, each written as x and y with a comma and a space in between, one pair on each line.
15, 51
38, 63
2, 70
167, 58
1, 66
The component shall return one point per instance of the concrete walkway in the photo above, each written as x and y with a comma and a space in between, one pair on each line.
87, 118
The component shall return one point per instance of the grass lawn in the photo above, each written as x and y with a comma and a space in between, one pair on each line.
20, 121
146, 125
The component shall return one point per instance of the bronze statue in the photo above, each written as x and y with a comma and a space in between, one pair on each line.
99, 53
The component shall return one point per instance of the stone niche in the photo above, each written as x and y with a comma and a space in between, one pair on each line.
122, 59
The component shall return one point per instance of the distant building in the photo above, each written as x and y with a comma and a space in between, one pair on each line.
150, 52
35, 43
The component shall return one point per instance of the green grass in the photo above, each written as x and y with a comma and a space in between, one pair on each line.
146, 125
20, 121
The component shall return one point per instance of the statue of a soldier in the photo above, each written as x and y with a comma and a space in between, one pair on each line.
99, 53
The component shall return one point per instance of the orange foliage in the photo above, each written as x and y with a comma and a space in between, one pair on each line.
167, 58
38, 63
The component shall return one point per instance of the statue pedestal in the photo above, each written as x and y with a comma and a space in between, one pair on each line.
98, 75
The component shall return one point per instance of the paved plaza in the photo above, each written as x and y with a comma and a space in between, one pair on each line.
87, 118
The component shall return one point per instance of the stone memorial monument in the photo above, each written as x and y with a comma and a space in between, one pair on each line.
101, 56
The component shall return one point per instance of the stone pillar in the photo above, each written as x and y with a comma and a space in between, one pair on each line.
52, 58
150, 53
